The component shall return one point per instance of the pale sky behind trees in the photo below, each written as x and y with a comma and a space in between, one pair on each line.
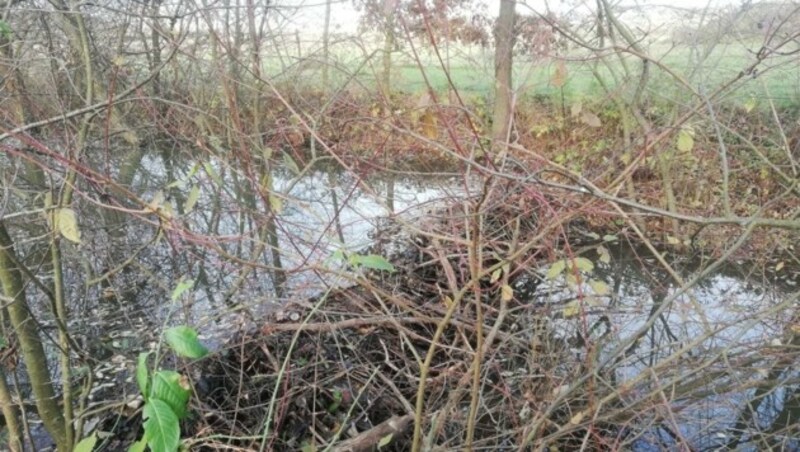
345, 17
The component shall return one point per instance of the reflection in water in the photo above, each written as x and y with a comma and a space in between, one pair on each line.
720, 373
719, 363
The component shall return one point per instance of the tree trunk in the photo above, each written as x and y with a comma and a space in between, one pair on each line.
385, 81
31, 344
503, 60
10, 415
326, 42
386, 75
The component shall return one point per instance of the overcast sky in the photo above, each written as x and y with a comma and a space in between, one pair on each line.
345, 17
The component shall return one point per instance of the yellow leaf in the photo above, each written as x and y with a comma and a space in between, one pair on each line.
191, 199
385, 441
686, 140
507, 292
289, 162
576, 420
572, 280
556, 269
429, 125
571, 309
599, 287
447, 301
591, 119
583, 264
576, 108
267, 153
779, 267
167, 211
276, 203
495, 275
66, 222
750, 104
605, 256
672, 240
156, 202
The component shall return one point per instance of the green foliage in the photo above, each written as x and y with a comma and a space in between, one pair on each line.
171, 388
182, 287
191, 199
184, 342
385, 441
86, 444
371, 261
161, 426
358, 261
142, 374
5, 29
166, 393
138, 446
337, 401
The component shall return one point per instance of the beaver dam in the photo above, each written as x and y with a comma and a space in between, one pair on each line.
493, 317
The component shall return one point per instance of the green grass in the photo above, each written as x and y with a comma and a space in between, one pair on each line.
779, 79
472, 73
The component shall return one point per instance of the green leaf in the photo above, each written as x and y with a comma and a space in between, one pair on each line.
610, 238
556, 269
142, 374
191, 199
583, 264
335, 257
337, 401
171, 388
86, 444
182, 287
496, 275
5, 29
183, 341
686, 139
372, 261
385, 441
161, 427
138, 446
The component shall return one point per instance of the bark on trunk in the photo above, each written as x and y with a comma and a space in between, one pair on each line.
503, 60
30, 344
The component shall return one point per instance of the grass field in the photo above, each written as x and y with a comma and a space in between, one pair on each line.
471, 72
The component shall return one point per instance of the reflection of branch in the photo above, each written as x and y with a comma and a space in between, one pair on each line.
624, 345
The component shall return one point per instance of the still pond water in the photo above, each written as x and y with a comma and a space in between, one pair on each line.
727, 332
